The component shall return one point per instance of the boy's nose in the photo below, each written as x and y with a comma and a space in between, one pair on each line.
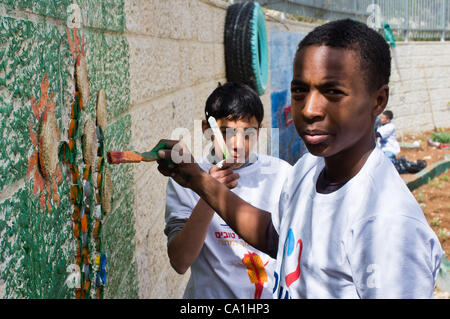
239, 141
313, 110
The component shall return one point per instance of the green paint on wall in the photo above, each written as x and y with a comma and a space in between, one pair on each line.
99, 14
36, 245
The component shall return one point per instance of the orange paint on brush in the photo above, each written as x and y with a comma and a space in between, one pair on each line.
117, 157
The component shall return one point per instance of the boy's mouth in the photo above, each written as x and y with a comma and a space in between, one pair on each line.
315, 136
239, 159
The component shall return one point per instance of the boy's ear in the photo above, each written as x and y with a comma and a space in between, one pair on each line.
381, 100
259, 129
205, 126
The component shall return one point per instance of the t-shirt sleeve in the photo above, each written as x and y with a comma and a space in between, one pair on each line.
180, 202
277, 214
385, 131
393, 257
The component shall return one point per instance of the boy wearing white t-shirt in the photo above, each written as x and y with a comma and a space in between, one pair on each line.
387, 138
347, 225
222, 264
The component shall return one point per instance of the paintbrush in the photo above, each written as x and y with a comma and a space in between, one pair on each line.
218, 135
119, 157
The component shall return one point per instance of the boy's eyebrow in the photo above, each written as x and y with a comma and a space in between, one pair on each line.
245, 128
325, 84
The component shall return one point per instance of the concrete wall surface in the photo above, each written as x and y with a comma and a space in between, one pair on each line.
420, 86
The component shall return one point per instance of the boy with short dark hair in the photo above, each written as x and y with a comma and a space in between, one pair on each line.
334, 234
387, 137
222, 264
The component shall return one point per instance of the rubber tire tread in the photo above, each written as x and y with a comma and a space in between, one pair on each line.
238, 56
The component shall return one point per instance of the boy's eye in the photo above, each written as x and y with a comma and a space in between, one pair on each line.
298, 93
228, 132
250, 132
334, 92
298, 90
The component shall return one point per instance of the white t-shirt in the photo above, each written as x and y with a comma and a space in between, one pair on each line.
388, 141
368, 239
227, 267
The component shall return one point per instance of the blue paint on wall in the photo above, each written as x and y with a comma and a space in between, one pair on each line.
283, 46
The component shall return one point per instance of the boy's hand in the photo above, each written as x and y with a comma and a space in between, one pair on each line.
177, 162
225, 175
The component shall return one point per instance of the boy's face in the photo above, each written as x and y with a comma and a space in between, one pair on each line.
333, 110
240, 136
384, 119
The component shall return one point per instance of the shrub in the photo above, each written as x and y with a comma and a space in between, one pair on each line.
441, 137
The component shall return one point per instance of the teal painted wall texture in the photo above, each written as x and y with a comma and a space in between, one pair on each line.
37, 241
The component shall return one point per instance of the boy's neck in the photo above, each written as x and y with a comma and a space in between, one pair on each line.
343, 166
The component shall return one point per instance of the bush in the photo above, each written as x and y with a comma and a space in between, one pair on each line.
441, 137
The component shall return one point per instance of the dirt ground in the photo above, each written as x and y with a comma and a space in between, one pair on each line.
434, 197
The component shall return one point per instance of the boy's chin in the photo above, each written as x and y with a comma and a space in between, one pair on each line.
321, 150
234, 164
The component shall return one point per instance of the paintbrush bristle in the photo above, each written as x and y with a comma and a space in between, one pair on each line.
118, 157
115, 157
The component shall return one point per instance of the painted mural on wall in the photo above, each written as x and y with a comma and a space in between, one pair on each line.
283, 46
59, 218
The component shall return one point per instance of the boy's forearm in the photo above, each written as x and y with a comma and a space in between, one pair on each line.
247, 221
187, 244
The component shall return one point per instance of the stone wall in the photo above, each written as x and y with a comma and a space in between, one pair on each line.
420, 86
176, 60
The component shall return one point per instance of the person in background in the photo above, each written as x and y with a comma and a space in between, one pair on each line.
386, 134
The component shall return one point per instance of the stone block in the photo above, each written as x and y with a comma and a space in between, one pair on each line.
155, 66
162, 19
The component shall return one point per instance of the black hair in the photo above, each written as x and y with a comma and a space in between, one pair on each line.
353, 35
234, 101
388, 114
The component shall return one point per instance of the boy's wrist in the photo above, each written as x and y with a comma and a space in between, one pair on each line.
206, 186
200, 181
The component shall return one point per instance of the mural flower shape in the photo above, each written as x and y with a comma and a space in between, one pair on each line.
43, 162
